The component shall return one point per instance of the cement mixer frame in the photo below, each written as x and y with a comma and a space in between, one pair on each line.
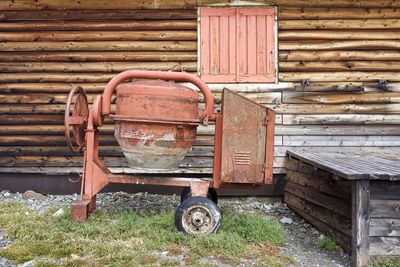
243, 150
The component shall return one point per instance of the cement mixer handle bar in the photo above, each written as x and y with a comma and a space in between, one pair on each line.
176, 76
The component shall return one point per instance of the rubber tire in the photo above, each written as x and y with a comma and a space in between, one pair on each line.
196, 201
212, 194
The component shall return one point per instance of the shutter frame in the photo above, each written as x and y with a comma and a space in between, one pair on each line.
255, 63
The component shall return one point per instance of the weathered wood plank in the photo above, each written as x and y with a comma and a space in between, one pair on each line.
338, 13
360, 222
337, 130
385, 208
384, 227
321, 181
339, 24
341, 119
340, 98
103, 25
383, 190
294, 55
93, 56
101, 45
59, 36
339, 76
307, 66
384, 246
339, 141
339, 34
335, 204
339, 45
93, 14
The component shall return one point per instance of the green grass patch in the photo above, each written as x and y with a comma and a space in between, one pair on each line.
132, 239
386, 263
328, 243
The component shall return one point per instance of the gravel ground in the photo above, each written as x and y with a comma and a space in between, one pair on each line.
301, 238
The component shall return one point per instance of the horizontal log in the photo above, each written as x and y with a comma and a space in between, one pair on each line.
340, 141
57, 77
105, 151
43, 87
339, 76
300, 66
60, 129
59, 140
339, 45
279, 108
83, 67
329, 130
335, 109
337, 55
100, 4
339, 34
339, 24
61, 170
188, 162
56, 36
265, 98
98, 56
99, 25
122, 14
391, 152
312, 3
31, 119
325, 130
338, 13
103, 45
170, 4
341, 119
340, 98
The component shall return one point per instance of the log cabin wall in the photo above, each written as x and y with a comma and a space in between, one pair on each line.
342, 48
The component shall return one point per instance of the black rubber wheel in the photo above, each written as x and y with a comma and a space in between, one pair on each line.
212, 194
198, 216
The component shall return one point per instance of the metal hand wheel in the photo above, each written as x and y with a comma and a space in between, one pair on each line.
77, 118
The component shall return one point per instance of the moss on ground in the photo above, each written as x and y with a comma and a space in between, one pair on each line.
131, 239
328, 243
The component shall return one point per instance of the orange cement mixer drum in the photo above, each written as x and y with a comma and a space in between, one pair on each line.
155, 123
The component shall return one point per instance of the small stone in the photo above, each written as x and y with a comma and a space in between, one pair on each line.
58, 213
30, 263
33, 195
286, 220
7, 194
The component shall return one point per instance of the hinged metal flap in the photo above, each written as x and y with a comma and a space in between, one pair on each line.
245, 140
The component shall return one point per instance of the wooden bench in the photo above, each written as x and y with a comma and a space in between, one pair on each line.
354, 198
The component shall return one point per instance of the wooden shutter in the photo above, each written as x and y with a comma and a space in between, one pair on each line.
255, 42
236, 45
218, 44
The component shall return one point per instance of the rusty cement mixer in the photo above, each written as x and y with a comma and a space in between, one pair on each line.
155, 125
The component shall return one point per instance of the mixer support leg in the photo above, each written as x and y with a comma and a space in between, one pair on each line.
81, 209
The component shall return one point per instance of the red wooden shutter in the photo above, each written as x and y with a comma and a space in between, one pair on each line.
237, 44
255, 42
218, 44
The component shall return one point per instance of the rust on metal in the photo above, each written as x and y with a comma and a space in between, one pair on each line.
77, 119
246, 143
155, 125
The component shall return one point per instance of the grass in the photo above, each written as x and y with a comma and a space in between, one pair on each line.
386, 263
328, 243
131, 239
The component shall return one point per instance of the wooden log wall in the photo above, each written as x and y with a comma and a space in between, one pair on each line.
384, 230
341, 47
